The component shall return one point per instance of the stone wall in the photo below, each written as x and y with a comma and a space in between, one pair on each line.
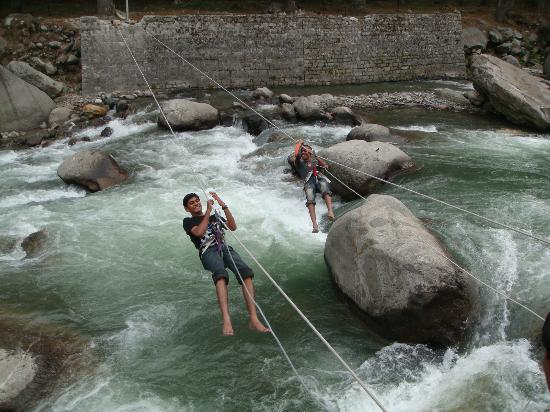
257, 50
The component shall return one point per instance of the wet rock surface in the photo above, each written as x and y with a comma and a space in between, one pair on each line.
383, 258
93, 169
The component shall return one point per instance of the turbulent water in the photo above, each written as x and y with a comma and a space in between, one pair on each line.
119, 271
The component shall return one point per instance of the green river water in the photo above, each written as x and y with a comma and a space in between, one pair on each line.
120, 273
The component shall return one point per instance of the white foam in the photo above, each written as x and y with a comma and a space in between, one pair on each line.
430, 382
7, 157
41, 195
418, 128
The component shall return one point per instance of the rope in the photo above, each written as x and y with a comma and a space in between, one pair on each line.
457, 265
515, 229
355, 376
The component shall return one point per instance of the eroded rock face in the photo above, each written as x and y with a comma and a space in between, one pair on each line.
185, 115
378, 159
93, 169
395, 271
521, 98
24, 106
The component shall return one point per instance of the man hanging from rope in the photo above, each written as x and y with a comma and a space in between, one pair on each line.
306, 164
206, 233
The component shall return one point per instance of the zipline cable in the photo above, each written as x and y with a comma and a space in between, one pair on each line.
515, 229
355, 376
456, 264
204, 190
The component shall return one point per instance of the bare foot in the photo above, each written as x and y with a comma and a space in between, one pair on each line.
227, 329
331, 217
257, 325
315, 229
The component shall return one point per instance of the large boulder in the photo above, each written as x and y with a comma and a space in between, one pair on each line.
307, 108
262, 93
25, 72
344, 115
379, 159
384, 259
185, 115
521, 98
474, 39
24, 107
59, 116
93, 169
370, 132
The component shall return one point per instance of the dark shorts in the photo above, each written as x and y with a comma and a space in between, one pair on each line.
216, 264
312, 187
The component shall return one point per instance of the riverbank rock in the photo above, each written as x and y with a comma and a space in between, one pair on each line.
370, 132
94, 110
262, 93
383, 258
521, 98
474, 39
24, 106
378, 159
185, 115
59, 116
307, 108
38, 79
288, 112
93, 169
344, 115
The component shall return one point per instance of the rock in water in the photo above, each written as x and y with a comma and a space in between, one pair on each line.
17, 370
394, 270
521, 98
34, 243
93, 169
24, 107
48, 85
254, 124
370, 132
307, 108
185, 115
378, 159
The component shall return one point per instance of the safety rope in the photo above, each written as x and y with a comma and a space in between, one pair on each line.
456, 264
355, 376
515, 229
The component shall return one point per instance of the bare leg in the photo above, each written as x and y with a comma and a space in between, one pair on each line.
311, 210
221, 292
249, 297
328, 201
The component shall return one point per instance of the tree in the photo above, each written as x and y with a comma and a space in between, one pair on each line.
503, 8
105, 7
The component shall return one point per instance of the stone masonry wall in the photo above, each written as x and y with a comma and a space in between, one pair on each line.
267, 50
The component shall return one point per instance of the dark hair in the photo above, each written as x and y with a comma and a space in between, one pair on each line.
188, 197
546, 334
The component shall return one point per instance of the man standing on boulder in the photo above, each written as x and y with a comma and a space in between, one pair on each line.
306, 164
206, 233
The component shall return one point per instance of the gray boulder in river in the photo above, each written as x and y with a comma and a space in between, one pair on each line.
25, 72
378, 159
521, 98
24, 107
370, 132
93, 169
383, 258
187, 115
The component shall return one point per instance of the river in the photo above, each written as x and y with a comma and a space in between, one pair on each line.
119, 271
